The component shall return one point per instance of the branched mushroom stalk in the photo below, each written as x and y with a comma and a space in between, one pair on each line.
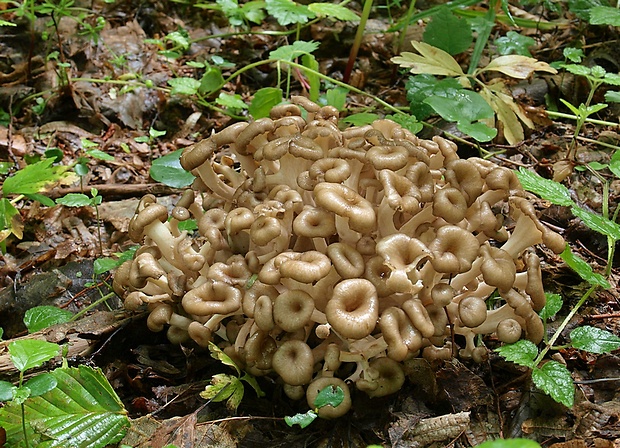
325, 255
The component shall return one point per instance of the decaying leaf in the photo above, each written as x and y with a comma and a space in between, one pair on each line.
431, 60
517, 66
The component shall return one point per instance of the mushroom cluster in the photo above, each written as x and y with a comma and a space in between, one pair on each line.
328, 257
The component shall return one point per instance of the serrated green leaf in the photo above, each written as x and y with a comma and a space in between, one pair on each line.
74, 200
180, 38
168, 171
329, 396
253, 11
297, 49
7, 391
337, 97
217, 353
231, 101
515, 43
549, 190
332, 10
102, 265
30, 353
34, 178
573, 54
510, 443
577, 69
184, 86
264, 100
361, 118
522, 352
594, 340
448, 32
612, 79
605, 15
581, 267
406, 121
554, 379
612, 97
288, 12
41, 384
597, 223
303, 420
552, 306
82, 410
40, 317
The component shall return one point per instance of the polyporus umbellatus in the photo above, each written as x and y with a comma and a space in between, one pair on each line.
325, 255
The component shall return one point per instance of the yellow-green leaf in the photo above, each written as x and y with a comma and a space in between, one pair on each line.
518, 66
431, 60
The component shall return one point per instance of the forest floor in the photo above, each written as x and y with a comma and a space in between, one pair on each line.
95, 75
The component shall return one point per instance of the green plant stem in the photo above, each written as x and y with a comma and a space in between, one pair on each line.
359, 35
587, 120
483, 37
563, 325
596, 142
403, 33
23, 408
85, 310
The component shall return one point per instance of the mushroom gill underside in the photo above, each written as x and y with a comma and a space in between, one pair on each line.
329, 257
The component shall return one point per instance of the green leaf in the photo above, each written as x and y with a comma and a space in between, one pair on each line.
598, 223
573, 54
34, 178
329, 396
30, 353
605, 15
448, 32
331, 10
509, 443
184, 86
231, 101
189, 225
522, 352
614, 163
582, 8
211, 81
41, 384
288, 12
102, 265
612, 97
577, 69
40, 317
581, 267
41, 198
310, 62
82, 410
74, 200
554, 379
303, 420
464, 106
217, 353
549, 190
264, 100
419, 87
515, 43
98, 154
10, 220
168, 171
290, 52
154, 133
406, 121
180, 38
7, 391
361, 119
337, 97
612, 79
551, 308
479, 131
594, 340
253, 11
224, 387
253, 383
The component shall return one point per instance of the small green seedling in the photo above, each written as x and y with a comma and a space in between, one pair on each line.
329, 396
228, 387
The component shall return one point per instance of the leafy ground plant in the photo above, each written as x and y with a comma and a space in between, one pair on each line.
62, 408
550, 376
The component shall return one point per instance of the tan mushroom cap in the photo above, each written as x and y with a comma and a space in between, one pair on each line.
345, 202
150, 214
294, 362
329, 411
353, 308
